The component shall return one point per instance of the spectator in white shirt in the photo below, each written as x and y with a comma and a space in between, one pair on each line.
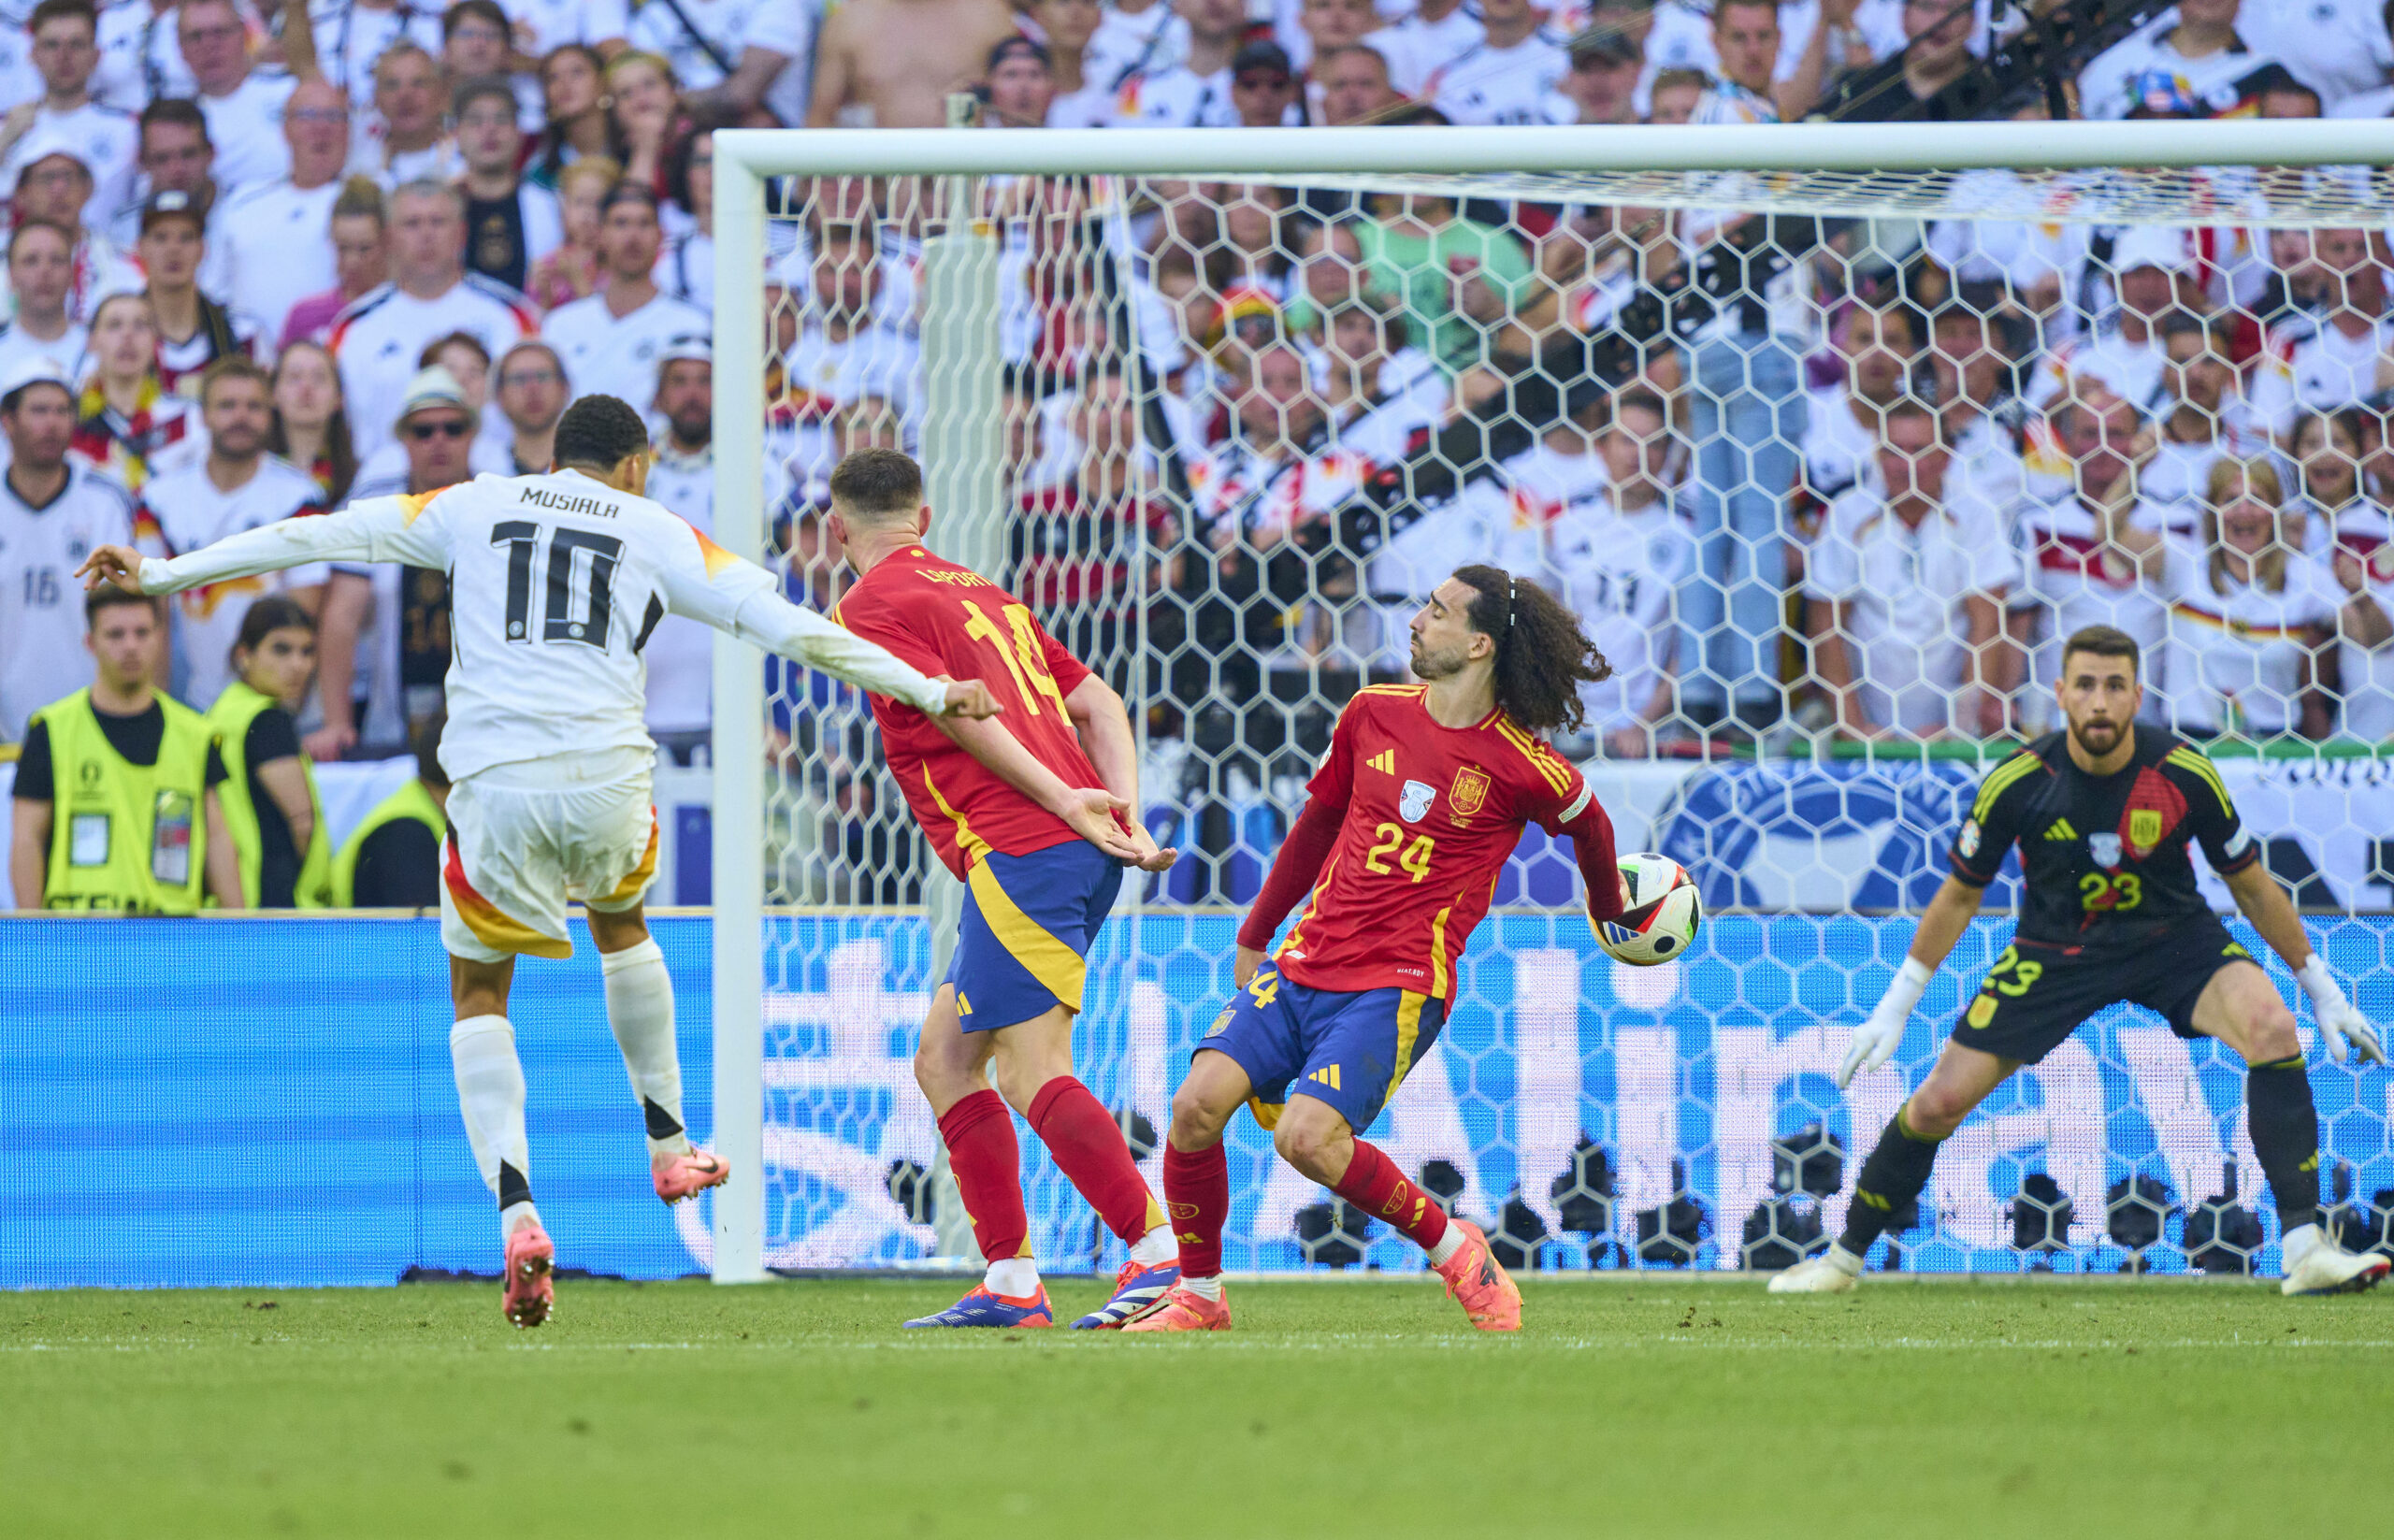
1904, 590
1843, 422
193, 331
140, 59
1510, 75
1354, 84
404, 140
344, 38
55, 187
476, 44
731, 57
1435, 34
2197, 45
531, 397
681, 652
509, 223
361, 243
543, 25
1145, 38
1196, 91
41, 270
1675, 96
2330, 360
430, 294
1321, 26
611, 341
244, 109
1066, 27
177, 154
276, 238
685, 267
65, 51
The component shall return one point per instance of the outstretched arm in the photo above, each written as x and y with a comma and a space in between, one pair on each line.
741, 599
377, 529
2264, 903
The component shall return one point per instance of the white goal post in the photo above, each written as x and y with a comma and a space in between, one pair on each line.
1862, 171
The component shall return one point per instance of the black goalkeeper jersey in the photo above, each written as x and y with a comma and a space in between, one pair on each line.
2103, 857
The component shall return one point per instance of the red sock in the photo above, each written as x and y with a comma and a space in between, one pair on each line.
1197, 1188
1373, 1184
988, 1163
1089, 1150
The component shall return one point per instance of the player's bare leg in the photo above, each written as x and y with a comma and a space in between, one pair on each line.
2241, 1007
640, 1012
490, 1094
1898, 1165
1314, 1136
1032, 1063
1197, 1192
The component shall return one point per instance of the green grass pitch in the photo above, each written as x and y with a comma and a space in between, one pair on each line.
1652, 1406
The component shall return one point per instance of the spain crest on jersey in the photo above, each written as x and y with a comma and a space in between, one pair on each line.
2144, 828
1469, 793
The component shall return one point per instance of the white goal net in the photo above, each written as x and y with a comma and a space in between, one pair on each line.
1827, 438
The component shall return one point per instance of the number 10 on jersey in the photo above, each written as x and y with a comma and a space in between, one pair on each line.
559, 620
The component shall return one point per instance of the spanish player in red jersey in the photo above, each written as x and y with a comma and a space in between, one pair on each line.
1423, 795
1029, 816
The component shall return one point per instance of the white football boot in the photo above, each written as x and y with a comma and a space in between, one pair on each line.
2318, 1265
1835, 1271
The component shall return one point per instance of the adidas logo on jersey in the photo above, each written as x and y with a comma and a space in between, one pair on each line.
1384, 761
2061, 831
1326, 1077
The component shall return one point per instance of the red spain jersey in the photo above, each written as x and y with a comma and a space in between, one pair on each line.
1428, 815
946, 619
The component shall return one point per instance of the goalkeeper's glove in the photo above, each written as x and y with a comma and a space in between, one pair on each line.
1876, 1040
2346, 1029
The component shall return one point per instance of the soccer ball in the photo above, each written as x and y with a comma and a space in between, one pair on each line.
1662, 915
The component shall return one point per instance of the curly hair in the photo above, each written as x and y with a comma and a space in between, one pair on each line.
1542, 655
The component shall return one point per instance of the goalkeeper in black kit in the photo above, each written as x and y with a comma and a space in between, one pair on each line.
2102, 813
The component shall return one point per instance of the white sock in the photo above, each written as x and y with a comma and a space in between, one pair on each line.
1157, 1246
1449, 1244
1842, 1259
1205, 1288
639, 1011
2298, 1243
1015, 1278
490, 1094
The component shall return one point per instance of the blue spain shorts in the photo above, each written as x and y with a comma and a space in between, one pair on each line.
1029, 923
1351, 1050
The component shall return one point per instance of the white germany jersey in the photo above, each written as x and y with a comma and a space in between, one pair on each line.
184, 509
556, 583
41, 605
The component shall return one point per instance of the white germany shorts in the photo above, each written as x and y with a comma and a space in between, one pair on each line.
526, 838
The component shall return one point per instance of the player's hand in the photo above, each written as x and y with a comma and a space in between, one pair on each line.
1090, 813
1874, 1042
1251, 959
118, 565
971, 699
1152, 857
2347, 1031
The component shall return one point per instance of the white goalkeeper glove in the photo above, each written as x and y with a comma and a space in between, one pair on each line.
1876, 1040
2346, 1029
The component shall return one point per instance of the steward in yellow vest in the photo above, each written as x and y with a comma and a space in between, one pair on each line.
271, 808
393, 861
117, 788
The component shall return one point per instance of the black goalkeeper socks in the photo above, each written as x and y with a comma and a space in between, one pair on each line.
2286, 1135
1891, 1179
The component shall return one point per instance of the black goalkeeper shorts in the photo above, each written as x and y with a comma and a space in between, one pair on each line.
2038, 992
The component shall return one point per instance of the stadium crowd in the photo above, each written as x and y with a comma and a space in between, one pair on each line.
1803, 476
